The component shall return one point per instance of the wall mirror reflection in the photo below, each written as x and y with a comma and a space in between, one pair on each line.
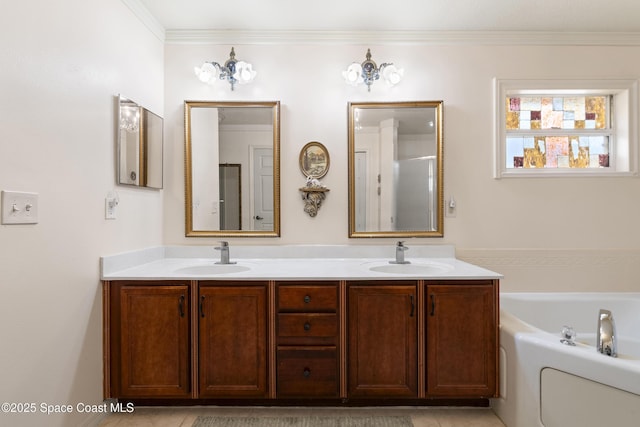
232, 168
395, 169
140, 145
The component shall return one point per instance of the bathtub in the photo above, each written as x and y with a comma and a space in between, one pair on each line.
546, 383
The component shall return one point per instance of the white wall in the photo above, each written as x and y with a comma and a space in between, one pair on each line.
62, 64
543, 234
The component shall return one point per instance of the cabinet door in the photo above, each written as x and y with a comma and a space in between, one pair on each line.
233, 341
152, 322
382, 340
461, 340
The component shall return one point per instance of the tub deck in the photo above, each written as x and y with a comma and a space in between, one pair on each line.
533, 358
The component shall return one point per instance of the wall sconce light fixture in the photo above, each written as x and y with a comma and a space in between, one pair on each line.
368, 72
233, 71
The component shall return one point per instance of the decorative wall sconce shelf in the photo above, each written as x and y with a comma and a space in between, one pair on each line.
314, 164
313, 198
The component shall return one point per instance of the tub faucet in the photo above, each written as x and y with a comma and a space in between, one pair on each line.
400, 248
606, 335
224, 253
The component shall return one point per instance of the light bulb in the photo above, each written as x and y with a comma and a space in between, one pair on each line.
207, 73
392, 75
353, 74
244, 72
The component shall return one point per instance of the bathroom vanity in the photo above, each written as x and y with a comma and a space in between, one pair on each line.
331, 328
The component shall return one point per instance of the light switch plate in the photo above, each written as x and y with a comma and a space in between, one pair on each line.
19, 207
110, 204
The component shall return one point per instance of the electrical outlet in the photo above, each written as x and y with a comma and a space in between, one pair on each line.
451, 207
19, 207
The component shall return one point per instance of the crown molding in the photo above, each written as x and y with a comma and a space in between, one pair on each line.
266, 37
143, 14
389, 37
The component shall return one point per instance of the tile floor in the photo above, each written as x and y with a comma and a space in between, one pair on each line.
421, 416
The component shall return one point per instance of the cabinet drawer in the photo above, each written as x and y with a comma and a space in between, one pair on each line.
305, 298
307, 372
307, 328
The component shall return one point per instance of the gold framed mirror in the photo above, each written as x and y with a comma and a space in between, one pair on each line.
395, 169
243, 134
314, 160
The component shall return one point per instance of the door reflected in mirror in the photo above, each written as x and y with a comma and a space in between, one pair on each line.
395, 169
232, 173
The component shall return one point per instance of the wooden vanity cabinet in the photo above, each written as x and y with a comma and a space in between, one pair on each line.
232, 347
461, 334
160, 344
343, 340
383, 339
149, 340
307, 340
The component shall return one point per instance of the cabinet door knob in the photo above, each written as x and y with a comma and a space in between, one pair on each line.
306, 373
307, 326
307, 299
201, 306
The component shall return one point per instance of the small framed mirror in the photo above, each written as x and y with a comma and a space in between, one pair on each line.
140, 145
314, 160
232, 169
395, 169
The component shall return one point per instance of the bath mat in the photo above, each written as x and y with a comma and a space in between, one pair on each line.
317, 421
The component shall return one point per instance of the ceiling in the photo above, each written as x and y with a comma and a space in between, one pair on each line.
398, 15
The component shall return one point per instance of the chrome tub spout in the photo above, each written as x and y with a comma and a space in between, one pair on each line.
606, 334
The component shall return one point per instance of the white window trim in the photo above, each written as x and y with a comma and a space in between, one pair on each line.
624, 156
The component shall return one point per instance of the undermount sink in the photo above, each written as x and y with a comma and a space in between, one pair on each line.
203, 270
412, 269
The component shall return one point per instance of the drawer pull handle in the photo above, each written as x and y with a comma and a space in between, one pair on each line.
307, 299
307, 326
306, 373
201, 306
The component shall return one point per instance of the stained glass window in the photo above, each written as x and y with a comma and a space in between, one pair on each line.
557, 131
555, 127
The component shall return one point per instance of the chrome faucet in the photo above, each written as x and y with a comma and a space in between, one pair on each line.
224, 253
606, 335
400, 248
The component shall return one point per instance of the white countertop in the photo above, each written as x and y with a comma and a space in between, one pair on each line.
290, 262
